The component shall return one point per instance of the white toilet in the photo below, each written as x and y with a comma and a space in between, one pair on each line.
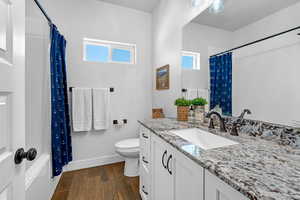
130, 150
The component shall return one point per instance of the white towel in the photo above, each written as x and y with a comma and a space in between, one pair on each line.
197, 93
82, 109
192, 94
101, 108
204, 93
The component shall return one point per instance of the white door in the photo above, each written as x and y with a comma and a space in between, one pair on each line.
12, 98
163, 186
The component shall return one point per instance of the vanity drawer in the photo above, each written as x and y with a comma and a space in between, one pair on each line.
144, 146
144, 134
145, 161
144, 183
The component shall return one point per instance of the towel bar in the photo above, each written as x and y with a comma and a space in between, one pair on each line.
110, 89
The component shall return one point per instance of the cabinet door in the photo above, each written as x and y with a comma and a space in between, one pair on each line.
216, 189
189, 179
162, 182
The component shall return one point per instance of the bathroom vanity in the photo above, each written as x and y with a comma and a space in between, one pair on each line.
174, 166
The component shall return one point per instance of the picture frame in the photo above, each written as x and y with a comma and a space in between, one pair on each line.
163, 78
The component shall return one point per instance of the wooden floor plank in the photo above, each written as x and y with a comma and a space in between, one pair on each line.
60, 195
98, 183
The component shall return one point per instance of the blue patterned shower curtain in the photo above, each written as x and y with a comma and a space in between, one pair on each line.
221, 82
60, 119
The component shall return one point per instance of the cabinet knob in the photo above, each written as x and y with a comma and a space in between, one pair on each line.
143, 189
145, 136
144, 160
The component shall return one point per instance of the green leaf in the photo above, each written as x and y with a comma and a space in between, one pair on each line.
182, 102
199, 102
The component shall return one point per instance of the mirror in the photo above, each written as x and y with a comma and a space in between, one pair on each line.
263, 76
3, 24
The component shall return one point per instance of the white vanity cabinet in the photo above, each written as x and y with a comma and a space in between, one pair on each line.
174, 176
216, 189
168, 174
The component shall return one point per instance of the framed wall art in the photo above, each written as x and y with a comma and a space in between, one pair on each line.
163, 78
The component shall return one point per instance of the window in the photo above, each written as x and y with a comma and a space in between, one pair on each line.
190, 60
109, 52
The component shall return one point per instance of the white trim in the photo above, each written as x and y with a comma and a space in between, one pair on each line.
107, 42
93, 162
5, 62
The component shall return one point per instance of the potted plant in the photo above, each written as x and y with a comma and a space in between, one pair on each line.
183, 107
199, 108
199, 103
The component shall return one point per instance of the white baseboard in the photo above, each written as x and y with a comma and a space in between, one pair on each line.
54, 181
93, 162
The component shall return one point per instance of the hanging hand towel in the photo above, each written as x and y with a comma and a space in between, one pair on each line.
101, 108
192, 94
82, 109
203, 93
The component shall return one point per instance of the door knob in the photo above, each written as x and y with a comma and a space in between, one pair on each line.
20, 155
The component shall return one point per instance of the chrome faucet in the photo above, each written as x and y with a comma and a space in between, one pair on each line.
221, 119
238, 121
245, 111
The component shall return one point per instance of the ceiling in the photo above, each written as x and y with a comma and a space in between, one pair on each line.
143, 5
239, 13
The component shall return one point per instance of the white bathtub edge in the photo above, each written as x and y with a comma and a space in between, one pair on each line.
34, 171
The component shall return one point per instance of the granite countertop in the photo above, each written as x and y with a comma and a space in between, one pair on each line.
258, 168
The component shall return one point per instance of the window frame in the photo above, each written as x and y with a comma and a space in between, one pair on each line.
196, 59
111, 45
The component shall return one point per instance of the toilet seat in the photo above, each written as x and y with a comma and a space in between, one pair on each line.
129, 144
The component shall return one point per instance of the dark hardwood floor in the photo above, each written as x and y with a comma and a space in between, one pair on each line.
98, 183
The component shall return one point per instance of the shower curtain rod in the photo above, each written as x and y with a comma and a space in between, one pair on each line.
44, 12
257, 41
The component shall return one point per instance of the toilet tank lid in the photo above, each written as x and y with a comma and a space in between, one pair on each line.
129, 143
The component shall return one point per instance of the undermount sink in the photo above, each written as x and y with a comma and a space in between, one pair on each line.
203, 139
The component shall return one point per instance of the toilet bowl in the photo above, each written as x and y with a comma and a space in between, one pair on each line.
129, 149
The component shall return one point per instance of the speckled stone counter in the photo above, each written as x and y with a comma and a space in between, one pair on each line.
258, 168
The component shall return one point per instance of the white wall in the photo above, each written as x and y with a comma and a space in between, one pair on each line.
169, 17
38, 178
132, 99
266, 75
37, 87
202, 39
